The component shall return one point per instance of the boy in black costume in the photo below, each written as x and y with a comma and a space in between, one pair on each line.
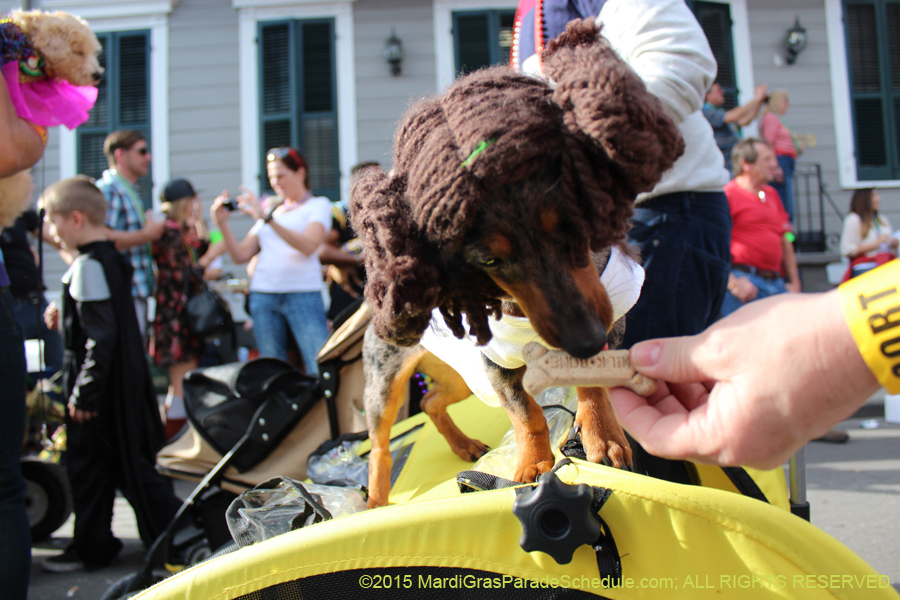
113, 421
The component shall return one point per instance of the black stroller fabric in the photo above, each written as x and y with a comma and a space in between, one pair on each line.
222, 402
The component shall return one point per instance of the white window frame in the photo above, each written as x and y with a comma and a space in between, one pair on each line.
131, 16
445, 57
840, 102
250, 14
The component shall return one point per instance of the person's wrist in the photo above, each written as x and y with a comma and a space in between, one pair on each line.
866, 304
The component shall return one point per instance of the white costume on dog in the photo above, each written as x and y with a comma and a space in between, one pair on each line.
622, 278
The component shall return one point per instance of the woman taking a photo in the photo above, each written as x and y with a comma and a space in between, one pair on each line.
286, 288
866, 237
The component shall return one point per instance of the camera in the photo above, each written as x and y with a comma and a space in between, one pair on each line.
231, 206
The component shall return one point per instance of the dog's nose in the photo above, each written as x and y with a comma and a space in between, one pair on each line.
589, 344
97, 77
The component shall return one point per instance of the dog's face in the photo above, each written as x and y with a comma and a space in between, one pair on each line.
521, 239
69, 47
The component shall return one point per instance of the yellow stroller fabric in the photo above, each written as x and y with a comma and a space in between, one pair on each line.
674, 541
670, 541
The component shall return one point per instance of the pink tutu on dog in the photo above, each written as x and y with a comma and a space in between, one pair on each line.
49, 102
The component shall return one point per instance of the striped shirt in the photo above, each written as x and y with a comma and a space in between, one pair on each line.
126, 213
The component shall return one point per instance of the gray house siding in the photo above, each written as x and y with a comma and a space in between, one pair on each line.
204, 127
809, 84
382, 98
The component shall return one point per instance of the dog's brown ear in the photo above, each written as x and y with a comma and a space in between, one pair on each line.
402, 286
606, 102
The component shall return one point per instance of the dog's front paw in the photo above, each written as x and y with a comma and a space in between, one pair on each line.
529, 473
603, 438
606, 445
532, 462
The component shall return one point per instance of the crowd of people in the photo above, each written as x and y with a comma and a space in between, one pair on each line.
120, 256
735, 389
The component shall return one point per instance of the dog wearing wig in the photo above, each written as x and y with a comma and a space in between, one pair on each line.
507, 198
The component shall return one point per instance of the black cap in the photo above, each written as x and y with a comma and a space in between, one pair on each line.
176, 190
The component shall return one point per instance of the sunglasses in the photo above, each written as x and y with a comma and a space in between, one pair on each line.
283, 152
143, 151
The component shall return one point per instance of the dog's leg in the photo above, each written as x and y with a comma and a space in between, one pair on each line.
601, 434
387, 371
448, 388
527, 416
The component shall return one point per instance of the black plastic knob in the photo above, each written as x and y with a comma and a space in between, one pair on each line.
556, 518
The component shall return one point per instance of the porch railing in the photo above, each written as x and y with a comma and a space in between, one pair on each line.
810, 195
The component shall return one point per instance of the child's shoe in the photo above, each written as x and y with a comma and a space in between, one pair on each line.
67, 562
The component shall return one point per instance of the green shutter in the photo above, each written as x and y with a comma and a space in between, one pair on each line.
298, 98
472, 38
482, 38
318, 128
123, 102
873, 61
715, 20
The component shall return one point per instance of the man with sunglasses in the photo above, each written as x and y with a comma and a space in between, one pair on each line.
132, 231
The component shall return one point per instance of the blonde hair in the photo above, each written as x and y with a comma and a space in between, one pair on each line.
775, 98
178, 210
76, 193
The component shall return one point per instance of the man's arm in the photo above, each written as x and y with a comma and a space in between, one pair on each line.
664, 44
789, 263
22, 145
744, 115
751, 389
129, 239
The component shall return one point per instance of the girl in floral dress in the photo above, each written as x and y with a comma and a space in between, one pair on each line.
172, 344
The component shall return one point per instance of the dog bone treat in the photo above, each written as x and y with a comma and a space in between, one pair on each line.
555, 368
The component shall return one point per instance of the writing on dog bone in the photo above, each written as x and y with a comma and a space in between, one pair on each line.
556, 368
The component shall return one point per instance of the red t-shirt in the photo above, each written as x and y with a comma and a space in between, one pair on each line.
757, 227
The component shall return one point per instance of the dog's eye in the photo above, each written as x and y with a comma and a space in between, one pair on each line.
490, 262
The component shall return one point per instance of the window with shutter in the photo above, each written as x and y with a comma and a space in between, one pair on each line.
482, 38
298, 98
123, 102
872, 31
715, 20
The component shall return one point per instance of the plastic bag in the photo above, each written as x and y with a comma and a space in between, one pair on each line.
559, 405
281, 505
340, 463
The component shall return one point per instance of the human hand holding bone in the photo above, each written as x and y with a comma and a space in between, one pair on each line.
556, 368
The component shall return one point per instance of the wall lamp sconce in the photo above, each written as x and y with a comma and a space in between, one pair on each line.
393, 53
795, 42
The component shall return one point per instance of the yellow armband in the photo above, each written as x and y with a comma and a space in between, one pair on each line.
871, 307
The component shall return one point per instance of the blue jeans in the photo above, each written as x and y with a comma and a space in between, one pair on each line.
27, 319
685, 241
765, 287
15, 548
301, 312
785, 188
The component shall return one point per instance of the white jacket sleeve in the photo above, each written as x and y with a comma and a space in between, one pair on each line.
663, 42
851, 234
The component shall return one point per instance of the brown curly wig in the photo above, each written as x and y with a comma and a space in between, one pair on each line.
595, 131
